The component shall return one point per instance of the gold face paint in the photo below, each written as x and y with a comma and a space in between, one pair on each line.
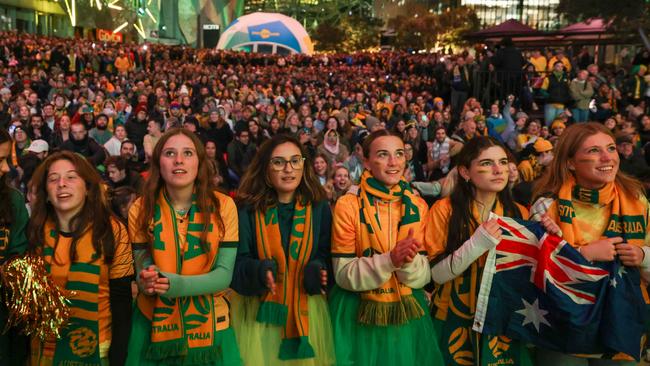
596, 162
489, 172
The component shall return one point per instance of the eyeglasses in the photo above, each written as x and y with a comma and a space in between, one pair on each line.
278, 164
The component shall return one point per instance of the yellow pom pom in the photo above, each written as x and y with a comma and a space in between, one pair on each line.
35, 303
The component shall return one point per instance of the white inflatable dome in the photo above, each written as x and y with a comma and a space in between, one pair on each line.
266, 33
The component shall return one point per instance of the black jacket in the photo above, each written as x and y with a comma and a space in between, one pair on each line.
88, 148
558, 89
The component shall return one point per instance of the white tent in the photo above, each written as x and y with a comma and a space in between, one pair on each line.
266, 33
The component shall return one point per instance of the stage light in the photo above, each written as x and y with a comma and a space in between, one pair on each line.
113, 6
140, 29
151, 16
120, 27
71, 11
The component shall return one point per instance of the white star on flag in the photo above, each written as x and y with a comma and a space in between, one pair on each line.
621, 271
613, 282
533, 314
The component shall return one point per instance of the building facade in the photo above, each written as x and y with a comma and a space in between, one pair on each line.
538, 14
165, 21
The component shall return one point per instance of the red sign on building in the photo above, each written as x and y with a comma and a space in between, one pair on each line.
104, 35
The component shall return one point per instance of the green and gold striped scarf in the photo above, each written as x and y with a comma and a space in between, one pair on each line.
184, 328
288, 307
392, 303
79, 342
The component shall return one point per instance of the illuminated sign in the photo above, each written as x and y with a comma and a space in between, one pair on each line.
104, 35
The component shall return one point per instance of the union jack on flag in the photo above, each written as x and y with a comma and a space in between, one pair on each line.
551, 260
537, 288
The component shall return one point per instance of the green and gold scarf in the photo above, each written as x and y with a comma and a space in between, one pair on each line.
184, 327
627, 218
288, 307
79, 342
392, 303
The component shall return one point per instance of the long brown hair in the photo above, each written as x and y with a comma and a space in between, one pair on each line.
462, 222
568, 144
6, 209
258, 192
95, 214
203, 186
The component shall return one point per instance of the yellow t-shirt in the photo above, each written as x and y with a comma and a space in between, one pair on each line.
227, 209
539, 63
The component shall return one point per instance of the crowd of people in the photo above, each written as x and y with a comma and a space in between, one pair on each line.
318, 209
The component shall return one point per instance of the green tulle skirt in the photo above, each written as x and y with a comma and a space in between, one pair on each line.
414, 343
141, 339
259, 343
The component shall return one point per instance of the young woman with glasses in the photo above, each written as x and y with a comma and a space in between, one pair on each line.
280, 312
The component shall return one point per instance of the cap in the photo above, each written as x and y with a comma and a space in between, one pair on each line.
558, 124
175, 105
5, 91
437, 100
142, 107
542, 145
38, 146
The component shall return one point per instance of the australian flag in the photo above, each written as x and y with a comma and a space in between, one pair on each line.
540, 290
